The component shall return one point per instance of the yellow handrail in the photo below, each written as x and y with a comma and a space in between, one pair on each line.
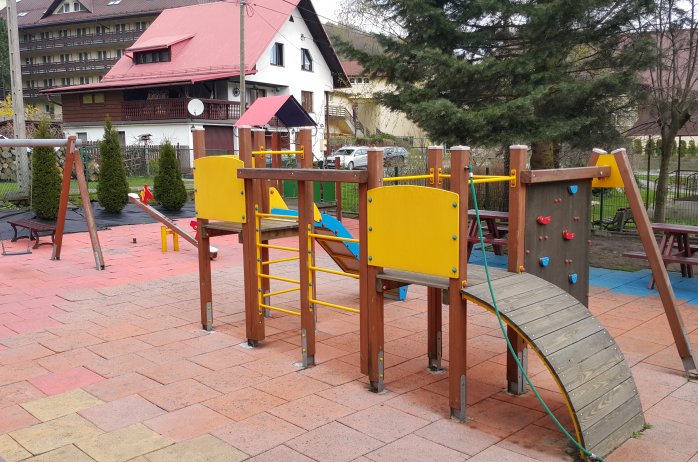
333, 238
277, 153
279, 292
330, 271
278, 247
494, 179
332, 305
279, 278
276, 308
407, 178
277, 216
280, 260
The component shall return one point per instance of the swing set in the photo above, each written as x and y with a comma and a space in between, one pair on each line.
72, 160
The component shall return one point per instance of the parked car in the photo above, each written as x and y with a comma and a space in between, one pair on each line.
351, 157
394, 156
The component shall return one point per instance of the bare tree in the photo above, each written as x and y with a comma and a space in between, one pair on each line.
673, 81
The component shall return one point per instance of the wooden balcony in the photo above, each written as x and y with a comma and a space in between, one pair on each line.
173, 109
88, 65
83, 41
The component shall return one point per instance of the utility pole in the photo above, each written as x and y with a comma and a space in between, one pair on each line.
20, 127
243, 92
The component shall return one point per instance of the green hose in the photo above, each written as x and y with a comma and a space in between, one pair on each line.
588, 453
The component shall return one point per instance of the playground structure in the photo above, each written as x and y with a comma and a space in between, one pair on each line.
72, 160
542, 297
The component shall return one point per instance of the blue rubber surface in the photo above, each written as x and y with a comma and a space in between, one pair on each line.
622, 282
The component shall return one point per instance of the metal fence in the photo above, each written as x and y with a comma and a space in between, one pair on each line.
141, 163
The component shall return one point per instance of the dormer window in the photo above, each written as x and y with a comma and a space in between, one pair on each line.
70, 7
152, 56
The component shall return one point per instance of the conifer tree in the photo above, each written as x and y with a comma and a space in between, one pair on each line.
649, 147
692, 151
496, 72
46, 177
169, 187
112, 189
637, 146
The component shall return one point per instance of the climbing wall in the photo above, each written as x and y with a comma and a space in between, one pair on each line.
556, 241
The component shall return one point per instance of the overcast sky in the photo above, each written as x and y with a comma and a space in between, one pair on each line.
325, 8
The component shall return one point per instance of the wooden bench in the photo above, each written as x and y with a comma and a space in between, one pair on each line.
680, 259
35, 228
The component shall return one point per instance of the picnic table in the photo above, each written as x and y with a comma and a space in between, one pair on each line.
675, 247
494, 229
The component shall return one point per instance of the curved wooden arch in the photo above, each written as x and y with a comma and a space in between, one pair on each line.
586, 363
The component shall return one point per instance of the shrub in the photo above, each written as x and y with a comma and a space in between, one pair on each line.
649, 147
169, 187
692, 151
112, 189
46, 177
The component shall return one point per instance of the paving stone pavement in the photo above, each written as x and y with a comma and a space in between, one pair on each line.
113, 366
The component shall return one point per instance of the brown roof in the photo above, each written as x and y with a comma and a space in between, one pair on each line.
38, 10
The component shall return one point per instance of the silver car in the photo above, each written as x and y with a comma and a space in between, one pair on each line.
351, 157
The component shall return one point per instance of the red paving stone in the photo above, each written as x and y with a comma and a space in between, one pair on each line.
121, 413
187, 423
70, 379
134, 330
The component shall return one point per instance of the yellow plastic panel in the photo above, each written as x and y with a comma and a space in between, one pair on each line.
219, 192
275, 200
413, 228
613, 181
316, 213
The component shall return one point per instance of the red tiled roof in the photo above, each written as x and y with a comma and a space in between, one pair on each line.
205, 47
352, 68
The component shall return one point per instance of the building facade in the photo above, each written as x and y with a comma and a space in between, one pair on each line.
193, 53
76, 42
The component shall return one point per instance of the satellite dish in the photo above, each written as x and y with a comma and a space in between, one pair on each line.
195, 107
236, 91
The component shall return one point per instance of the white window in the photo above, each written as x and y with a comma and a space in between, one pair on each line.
306, 60
277, 54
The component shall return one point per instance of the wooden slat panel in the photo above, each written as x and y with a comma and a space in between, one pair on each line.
593, 389
304, 174
542, 308
604, 427
566, 357
618, 437
581, 372
606, 404
555, 321
508, 286
557, 340
413, 278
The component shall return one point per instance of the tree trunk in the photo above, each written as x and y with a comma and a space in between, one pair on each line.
542, 155
661, 193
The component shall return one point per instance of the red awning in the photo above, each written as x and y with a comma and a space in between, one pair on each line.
286, 108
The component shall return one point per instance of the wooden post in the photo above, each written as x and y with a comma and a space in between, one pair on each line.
338, 190
375, 350
518, 155
72, 158
87, 207
277, 161
262, 193
63, 203
199, 140
457, 309
306, 250
253, 316
661, 278
205, 286
435, 295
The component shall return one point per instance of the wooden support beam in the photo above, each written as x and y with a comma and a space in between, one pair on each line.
661, 278
457, 309
434, 294
306, 251
372, 303
564, 174
518, 156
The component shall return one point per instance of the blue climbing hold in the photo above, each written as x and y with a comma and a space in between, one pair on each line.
573, 189
573, 278
544, 261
